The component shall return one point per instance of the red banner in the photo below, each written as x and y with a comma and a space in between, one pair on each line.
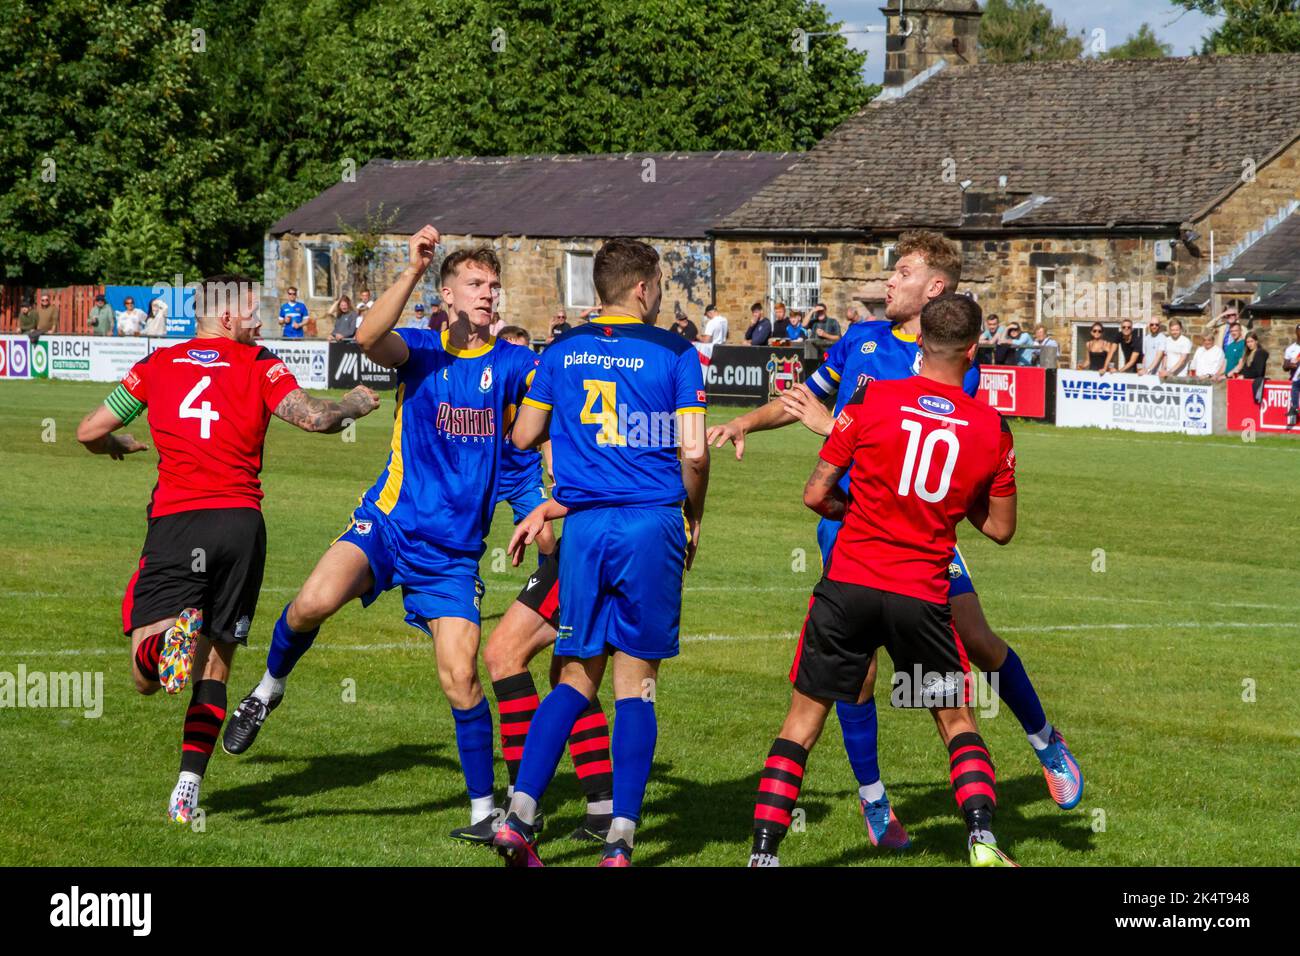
1015, 390
1268, 416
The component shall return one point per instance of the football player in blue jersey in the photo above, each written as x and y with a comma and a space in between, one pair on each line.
422, 525
928, 265
623, 403
521, 485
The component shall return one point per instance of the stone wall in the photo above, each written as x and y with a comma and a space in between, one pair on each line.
532, 275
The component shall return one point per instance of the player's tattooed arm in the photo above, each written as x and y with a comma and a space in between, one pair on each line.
96, 433
822, 492
319, 415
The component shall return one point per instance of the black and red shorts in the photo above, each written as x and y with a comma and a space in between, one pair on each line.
846, 623
542, 592
211, 559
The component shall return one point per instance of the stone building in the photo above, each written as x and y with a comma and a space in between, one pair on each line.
544, 215
1078, 191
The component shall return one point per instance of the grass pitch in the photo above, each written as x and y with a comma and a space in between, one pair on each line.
1172, 671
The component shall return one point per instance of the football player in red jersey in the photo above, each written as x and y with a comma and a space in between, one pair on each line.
194, 593
921, 456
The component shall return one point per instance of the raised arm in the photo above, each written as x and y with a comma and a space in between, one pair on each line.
321, 415
376, 336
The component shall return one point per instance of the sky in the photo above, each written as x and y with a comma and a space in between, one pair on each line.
1119, 18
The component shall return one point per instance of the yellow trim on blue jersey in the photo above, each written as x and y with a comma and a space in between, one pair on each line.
691, 410
465, 353
393, 486
832, 373
903, 336
528, 379
617, 320
957, 551
529, 400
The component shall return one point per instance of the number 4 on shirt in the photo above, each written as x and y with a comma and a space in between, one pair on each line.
204, 412
607, 417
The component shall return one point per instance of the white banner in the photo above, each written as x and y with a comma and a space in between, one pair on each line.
307, 359
85, 358
1140, 403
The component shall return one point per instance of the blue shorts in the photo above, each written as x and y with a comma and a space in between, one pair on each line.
524, 492
959, 579
621, 581
436, 581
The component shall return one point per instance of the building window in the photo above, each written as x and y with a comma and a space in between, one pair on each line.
794, 280
888, 257
579, 290
1047, 303
320, 277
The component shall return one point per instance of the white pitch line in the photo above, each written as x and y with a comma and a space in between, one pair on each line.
706, 638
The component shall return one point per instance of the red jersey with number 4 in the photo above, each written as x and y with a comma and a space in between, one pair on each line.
209, 401
919, 455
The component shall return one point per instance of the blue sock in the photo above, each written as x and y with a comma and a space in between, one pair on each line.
1018, 693
474, 741
633, 748
287, 646
858, 725
547, 735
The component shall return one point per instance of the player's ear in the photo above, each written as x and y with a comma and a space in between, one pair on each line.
971, 350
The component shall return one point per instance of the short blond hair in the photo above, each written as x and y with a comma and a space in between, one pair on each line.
939, 254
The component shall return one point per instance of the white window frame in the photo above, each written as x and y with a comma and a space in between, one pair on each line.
310, 251
576, 285
795, 279
887, 259
1038, 292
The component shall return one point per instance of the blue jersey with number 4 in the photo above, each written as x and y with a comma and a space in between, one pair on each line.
614, 388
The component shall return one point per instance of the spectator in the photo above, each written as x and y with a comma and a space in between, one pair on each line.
1049, 352
1208, 362
779, 322
822, 329
559, 324
685, 327
1021, 354
498, 323
27, 320
1291, 363
293, 316
1254, 366
1234, 352
130, 321
1224, 321
1178, 351
515, 335
990, 339
1097, 350
438, 317
1127, 356
591, 314
760, 329
1153, 348
346, 319
101, 317
794, 330
47, 317
156, 324
364, 302
715, 326
852, 316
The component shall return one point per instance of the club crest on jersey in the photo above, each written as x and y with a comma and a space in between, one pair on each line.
485, 380
364, 527
783, 374
203, 356
954, 570
937, 405
916, 363
868, 348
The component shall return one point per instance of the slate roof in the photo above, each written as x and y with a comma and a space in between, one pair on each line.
1276, 255
1112, 143
551, 196
1285, 299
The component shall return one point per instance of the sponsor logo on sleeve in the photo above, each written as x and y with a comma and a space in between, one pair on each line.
277, 371
131, 380
844, 421
701, 395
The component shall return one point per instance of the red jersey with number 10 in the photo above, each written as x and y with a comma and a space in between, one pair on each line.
920, 454
209, 401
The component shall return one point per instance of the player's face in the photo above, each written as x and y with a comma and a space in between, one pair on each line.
911, 286
473, 291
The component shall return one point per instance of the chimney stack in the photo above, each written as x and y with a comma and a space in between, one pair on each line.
929, 31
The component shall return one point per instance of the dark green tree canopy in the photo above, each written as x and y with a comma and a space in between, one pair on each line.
1250, 26
1019, 31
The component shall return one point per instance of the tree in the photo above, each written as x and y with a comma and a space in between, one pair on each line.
1250, 26
1143, 45
213, 118
1018, 31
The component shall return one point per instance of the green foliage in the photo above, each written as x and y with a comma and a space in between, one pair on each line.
363, 241
1143, 45
1250, 26
1019, 31
214, 136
